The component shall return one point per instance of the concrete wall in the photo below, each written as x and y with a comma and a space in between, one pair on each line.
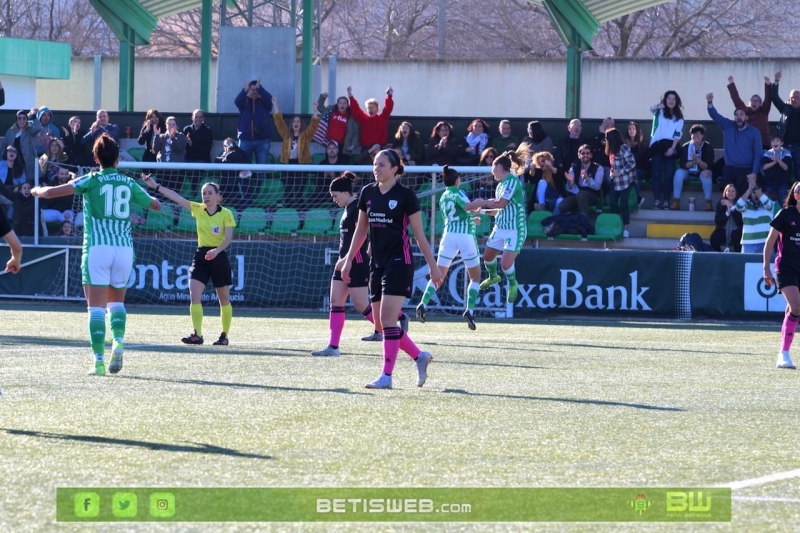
513, 89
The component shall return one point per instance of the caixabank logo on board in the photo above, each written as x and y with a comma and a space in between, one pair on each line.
757, 295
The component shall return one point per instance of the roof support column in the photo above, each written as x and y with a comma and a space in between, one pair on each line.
127, 56
205, 56
574, 65
308, 41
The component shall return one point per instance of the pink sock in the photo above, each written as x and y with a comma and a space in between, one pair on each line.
408, 346
391, 345
337, 324
788, 329
368, 315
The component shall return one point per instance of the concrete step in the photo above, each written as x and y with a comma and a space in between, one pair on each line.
644, 243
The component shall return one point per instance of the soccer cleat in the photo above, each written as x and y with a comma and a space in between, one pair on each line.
222, 341
423, 360
194, 338
469, 318
116, 357
784, 360
99, 369
421, 312
511, 297
375, 336
403, 320
327, 352
383, 382
488, 282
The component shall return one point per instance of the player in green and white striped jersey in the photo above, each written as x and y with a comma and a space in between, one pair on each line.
510, 224
107, 245
459, 237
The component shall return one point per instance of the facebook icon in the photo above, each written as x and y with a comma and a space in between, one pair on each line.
87, 504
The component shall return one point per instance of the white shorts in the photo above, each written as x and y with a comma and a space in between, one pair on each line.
105, 266
506, 239
454, 243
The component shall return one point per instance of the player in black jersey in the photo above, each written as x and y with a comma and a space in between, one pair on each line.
387, 208
786, 232
342, 193
13, 264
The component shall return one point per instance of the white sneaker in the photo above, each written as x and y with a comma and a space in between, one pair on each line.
327, 352
383, 382
374, 336
403, 322
117, 348
625, 234
784, 361
422, 362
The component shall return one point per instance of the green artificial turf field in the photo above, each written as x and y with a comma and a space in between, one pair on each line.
579, 403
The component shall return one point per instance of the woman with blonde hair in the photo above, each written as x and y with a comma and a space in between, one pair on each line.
547, 195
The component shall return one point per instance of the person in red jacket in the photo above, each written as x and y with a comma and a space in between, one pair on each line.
757, 111
374, 132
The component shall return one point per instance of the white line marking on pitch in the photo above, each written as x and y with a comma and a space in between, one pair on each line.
765, 499
763, 480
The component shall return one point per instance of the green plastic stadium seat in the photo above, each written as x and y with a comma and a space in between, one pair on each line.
253, 220
285, 221
528, 189
186, 222
186, 190
485, 227
607, 227
535, 230
159, 220
136, 153
318, 222
270, 193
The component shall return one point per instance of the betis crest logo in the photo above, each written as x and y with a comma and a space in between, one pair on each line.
640, 503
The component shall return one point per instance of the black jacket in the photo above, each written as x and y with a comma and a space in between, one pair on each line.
202, 140
567, 151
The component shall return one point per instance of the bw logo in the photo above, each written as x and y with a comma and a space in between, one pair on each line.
757, 295
640, 503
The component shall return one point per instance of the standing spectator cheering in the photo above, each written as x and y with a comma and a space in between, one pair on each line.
100, 126
24, 214
584, 179
505, 141
199, 141
442, 148
741, 144
776, 166
153, 122
789, 123
634, 138
696, 160
254, 127
296, 148
374, 126
49, 130
664, 139
341, 126
622, 174
757, 110
170, 147
568, 146
598, 144
22, 136
77, 152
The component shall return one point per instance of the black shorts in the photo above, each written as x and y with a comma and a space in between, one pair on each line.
787, 277
394, 280
218, 270
359, 275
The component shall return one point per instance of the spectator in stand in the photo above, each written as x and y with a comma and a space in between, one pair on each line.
537, 139
776, 167
728, 232
64, 207
51, 161
199, 141
486, 185
296, 148
230, 180
255, 127
170, 147
100, 126
152, 121
634, 138
408, 141
506, 141
12, 171
757, 111
622, 175
584, 179
49, 130
741, 144
598, 144
696, 160
666, 134
477, 140
789, 123
756, 209
22, 136
374, 132
568, 146
342, 127
547, 195
65, 230
332, 157
24, 208
2, 95
76, 151
442, 147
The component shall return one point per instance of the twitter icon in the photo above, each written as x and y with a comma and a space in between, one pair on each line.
124, 504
